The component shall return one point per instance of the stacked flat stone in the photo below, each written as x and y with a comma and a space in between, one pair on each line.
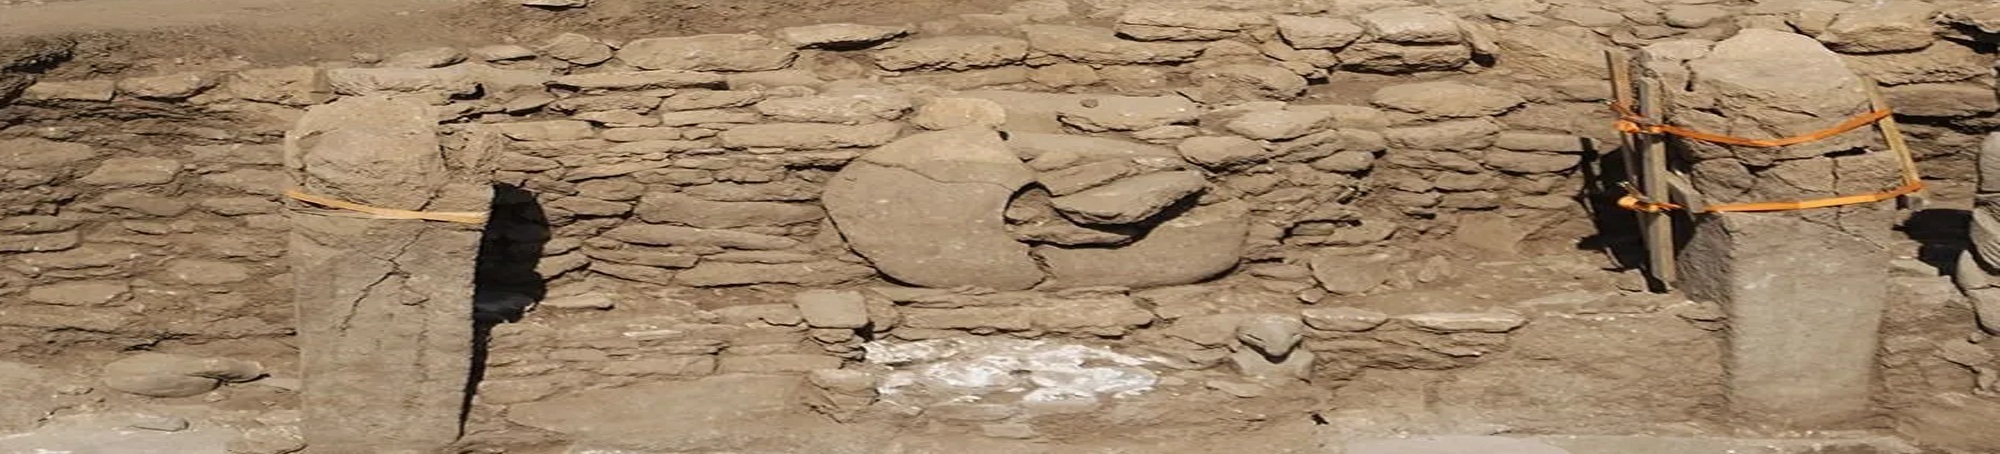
1978, 268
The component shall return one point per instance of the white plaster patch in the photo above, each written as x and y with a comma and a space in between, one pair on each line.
964, 369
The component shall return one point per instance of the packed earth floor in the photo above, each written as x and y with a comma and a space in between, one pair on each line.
1040, 226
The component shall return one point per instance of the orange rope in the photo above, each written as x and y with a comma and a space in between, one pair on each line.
468, 217
1899, 191
1631, 122
1637, 202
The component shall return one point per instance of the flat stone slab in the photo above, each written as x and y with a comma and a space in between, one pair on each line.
109, 433
1452, 444
1200, 244
1620, 444
723, 412
1613, 444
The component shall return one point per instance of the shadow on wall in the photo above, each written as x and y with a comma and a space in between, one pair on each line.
1941, 235
1617, 228
505, 283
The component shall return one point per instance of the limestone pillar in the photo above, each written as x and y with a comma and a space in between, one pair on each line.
384, 304
1804, 290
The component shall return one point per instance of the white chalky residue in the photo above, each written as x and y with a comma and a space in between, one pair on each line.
980, 375
881, 352
975, 366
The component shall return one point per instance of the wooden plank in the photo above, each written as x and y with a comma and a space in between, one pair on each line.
1620, 67
1681, 192
1893, 135
1657, 228
1621, 93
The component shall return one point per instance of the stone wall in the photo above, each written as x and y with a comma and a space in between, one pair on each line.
1093, 158
131, 224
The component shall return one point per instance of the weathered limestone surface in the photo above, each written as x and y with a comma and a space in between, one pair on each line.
927, 210
953, 52
1451, 444
713, 411
168, 375
708, 53
1955, 421
1804, 302
1131, 199
1202, 243
1102, 46
1150, 23
1772, 84
384, 306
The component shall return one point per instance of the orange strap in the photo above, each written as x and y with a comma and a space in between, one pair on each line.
1899, 191
1632, 122
1637, 202
462, 217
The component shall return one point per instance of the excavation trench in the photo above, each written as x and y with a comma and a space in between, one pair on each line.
1058, 227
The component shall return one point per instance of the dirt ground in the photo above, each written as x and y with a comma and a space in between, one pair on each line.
146, 36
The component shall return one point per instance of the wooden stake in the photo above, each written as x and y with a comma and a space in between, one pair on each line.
1658, 227
1645, 166
1621, 93
1893, 135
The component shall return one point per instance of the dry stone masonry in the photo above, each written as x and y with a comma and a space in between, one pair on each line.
1975, 266
1248, 205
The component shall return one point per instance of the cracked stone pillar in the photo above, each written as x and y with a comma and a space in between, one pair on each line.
1804, 290
384, 305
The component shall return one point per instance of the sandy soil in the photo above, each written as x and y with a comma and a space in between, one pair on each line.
171, 35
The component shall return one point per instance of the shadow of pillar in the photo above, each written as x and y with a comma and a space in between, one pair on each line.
505, 283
